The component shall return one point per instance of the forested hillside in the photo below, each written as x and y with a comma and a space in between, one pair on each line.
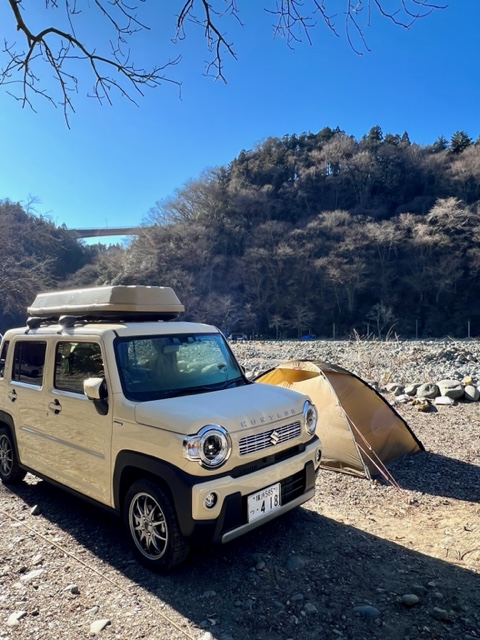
35, 255
312, 232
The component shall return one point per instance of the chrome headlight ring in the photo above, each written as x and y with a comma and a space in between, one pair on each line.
210, 447
310, 417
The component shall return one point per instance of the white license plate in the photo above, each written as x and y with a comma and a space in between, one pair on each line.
263, 502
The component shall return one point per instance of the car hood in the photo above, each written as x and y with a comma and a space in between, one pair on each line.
235, 409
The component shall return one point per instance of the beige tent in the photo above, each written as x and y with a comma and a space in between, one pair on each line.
360, 432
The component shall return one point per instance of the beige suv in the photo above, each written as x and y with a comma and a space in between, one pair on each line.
106, 394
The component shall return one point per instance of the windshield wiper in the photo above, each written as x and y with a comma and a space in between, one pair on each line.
215, 386
234, 382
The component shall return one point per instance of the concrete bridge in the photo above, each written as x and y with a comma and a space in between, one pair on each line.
106, 231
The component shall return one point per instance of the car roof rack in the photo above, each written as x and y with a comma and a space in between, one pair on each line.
119, 303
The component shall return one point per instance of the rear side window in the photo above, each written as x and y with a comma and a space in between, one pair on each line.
28, 361
75, 362
3, 358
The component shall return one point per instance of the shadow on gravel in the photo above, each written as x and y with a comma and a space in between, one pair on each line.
438, 475
300, 577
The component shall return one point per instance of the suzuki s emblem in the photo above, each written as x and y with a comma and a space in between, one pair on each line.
274, 437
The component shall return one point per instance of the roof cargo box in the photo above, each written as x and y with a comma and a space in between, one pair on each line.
108, 303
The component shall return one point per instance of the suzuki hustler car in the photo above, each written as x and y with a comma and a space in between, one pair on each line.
107, 394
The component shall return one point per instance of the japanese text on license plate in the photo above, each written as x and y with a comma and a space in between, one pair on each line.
263, 502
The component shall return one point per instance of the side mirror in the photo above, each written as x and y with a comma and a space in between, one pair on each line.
96, 390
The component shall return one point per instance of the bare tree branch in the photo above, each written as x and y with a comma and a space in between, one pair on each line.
295, 19
216, 41
61, 49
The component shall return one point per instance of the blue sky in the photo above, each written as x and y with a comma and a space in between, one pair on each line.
114, 163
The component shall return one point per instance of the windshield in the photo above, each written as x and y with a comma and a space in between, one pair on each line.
155, 367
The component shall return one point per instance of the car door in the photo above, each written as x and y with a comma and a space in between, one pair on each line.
24, 397
79, 435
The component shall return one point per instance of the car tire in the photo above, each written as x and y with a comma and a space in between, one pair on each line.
10, 471
152, 527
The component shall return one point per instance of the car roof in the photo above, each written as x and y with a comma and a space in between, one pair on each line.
126, 329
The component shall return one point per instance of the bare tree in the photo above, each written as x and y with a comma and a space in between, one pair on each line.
383, 316
295, 19
196, 199
302, 318
62, 40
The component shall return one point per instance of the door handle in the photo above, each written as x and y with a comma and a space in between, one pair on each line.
55, 406
12, 395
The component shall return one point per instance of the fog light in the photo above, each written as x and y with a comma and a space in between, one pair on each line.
211, 500
318, 455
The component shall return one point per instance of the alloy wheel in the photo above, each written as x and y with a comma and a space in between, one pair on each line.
148, 526
6, 456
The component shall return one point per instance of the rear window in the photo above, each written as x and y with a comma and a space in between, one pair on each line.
28, 362
3, 357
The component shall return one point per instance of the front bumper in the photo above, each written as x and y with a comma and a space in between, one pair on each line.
228, 519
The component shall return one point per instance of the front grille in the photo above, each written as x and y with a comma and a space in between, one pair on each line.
262, 463
260, 441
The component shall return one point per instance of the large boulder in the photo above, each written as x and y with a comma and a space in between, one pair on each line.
411, 389
428, 390
451, 389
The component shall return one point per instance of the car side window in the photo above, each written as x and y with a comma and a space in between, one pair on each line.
3, 357
74, 363
28, 361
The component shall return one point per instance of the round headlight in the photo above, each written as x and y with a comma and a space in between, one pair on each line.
210, 447
310, 416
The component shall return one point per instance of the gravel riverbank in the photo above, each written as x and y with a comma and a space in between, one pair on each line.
373, 360
360, 561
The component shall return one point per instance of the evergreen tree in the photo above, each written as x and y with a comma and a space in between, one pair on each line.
440, 144
459, 142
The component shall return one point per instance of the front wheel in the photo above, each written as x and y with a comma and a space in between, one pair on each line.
151, 524
10, 471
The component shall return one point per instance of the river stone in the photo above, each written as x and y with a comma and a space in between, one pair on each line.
451, 388
392, 387
73, 588
402, 398
14, 618
411, 389
441, 614
421, 404
297, 597
98, 626
410, 599
32, 575
444, 400
428, 390
472, 394
366, 611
